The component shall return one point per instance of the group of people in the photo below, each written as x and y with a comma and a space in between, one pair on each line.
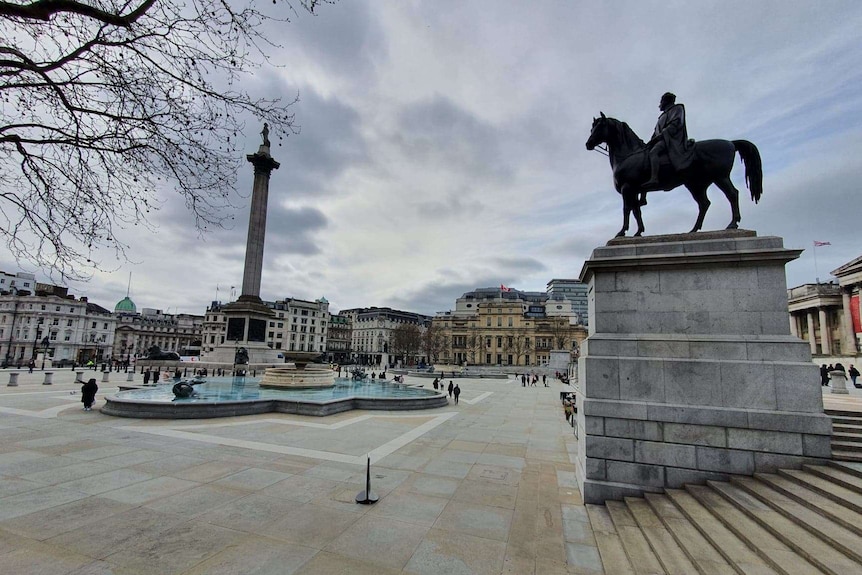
454, 389
531, 380
852, 372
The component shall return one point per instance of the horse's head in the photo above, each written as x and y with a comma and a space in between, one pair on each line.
599, 133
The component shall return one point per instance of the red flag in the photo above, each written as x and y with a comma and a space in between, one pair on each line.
504, 288
818, 244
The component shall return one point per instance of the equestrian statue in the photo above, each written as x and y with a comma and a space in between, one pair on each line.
669, 160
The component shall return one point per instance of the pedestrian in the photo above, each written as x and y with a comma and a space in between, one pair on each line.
854, 373
523, 380
31, 365
824, 375
451, 387
88, 393
155, 377
545, 379
457, 392
146, 377
434, 383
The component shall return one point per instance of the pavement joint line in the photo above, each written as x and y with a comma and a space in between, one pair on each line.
478, 398
376, 454
49, 413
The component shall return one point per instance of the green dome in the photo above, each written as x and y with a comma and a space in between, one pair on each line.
125, 305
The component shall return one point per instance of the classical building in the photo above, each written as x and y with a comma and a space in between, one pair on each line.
138, 332
19, 281
338, 339
51, 323
298, 325
827, 315
494, 326
372, 333
574, 291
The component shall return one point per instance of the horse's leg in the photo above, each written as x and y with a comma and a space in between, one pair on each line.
698, 192
732, 195
637, 211
629, 200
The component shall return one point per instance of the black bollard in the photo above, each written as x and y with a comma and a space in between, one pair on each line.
367, 497
254, 373
186, 372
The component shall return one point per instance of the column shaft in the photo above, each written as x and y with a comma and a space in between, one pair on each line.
825, 343
812, 339
848, 338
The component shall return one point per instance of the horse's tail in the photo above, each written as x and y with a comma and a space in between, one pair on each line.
750, 156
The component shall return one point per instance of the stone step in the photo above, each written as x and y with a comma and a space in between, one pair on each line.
614, 558
846, 446
843, 413
847, 428
733, 549
846, 455
638, 550
843, 420
827, 507
672, 557
848, 467
841, 436
844, 540
840, 495
707, 560
772, 549
837, 476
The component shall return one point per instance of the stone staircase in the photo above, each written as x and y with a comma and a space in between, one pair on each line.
846, 435
793, 522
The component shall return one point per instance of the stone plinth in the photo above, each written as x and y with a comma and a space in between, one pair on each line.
690, 371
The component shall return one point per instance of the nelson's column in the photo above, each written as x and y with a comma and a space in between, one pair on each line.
248, 316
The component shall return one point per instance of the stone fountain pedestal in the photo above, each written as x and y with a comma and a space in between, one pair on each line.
690, 372
298, 373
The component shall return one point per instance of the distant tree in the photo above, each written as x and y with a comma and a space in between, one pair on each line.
475, 345
561, 332
106, 104
517, 344
433, 342
406, 341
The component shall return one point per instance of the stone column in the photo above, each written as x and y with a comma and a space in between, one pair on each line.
793, 326
848, 338
263, 166
812, 338
825, 339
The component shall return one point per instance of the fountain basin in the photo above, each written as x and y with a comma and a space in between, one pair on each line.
229, 397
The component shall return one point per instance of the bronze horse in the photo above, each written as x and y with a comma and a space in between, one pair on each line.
712, 164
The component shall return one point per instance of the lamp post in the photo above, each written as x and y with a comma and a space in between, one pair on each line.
7, 359
45, 344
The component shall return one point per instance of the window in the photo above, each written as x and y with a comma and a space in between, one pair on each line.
67, 337
58, 308
499, 321
69, 323
488, 322
510, 322
56, 321
488, 358
93, 326
271, 335
499, 342
280, 324
272, 324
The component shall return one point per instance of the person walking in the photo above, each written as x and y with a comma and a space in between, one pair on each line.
824, 375
523, 380
146, 377
451, 388
88, 393
545, 379
31, 365
854, 373
457, 392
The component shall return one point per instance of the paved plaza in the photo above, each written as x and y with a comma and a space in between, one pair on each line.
486, 486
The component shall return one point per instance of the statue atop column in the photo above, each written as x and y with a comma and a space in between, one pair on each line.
265, 134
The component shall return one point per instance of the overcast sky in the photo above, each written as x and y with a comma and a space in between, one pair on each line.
442, 146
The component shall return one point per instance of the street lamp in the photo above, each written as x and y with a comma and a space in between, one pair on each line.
45, 344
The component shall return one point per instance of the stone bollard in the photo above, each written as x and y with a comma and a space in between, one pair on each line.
79, 376
106, 375
130, 376
838, 381
13, 379
49, 378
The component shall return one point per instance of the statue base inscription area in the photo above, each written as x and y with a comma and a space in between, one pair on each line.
690, 372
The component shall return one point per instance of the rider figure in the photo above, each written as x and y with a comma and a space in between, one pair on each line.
670, 137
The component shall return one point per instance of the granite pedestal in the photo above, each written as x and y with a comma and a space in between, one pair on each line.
690, 372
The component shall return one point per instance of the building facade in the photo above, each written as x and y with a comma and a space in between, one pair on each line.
338, 340
298, 325
827, 315
496, 327
52, 324
138, 332
373, 335
575, 292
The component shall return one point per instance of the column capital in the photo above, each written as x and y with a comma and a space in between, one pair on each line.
261, 160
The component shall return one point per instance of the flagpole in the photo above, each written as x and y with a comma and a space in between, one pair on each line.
816, 271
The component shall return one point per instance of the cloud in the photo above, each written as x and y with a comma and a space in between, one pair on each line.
442, 146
